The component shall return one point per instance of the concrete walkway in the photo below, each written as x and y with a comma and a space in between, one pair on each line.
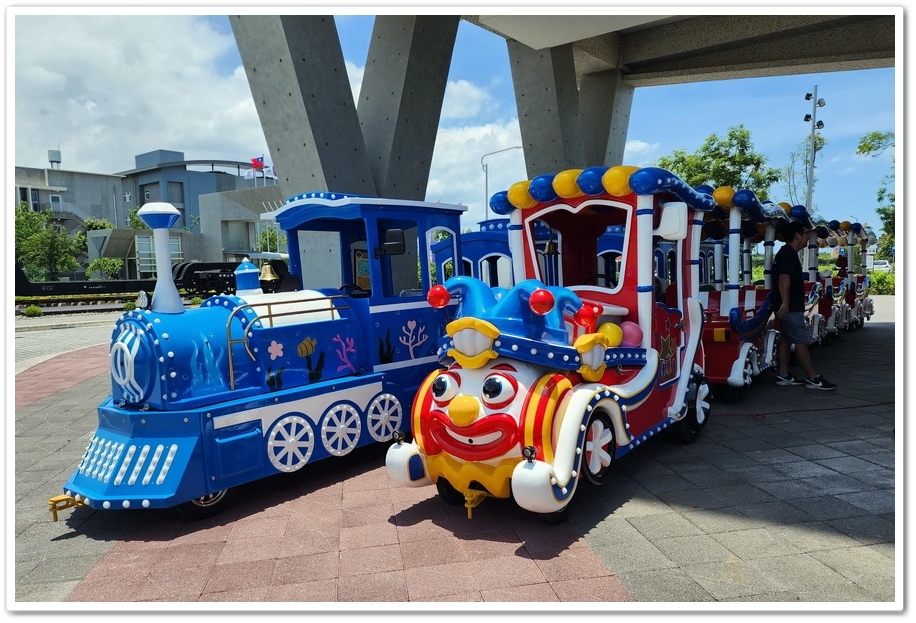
788, 497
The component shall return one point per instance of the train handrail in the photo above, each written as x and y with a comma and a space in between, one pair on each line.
269, 316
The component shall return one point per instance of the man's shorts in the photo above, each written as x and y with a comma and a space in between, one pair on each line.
793, 328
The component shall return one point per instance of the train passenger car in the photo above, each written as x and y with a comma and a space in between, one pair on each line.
738, 334
546, 383
253, 384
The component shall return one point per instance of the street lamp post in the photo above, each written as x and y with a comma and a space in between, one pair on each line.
815, 125
486, 186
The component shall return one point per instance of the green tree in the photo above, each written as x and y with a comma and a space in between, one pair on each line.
105, 267
134, 221
729, 161
43, 248
195, 222
90, 224
874, 144
93, 224
271, 239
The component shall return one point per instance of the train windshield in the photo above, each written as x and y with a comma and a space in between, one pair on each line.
580, 245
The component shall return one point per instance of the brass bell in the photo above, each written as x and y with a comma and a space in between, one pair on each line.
550, 249
267, 273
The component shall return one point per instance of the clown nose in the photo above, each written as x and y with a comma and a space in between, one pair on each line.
463, 410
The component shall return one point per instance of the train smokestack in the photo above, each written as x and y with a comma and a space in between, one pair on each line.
160, 217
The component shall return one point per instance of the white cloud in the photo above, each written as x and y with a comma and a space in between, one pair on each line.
355, 75
456, 173
640, 153
106, 88
463, 100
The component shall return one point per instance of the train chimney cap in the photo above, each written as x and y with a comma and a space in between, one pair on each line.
159, 215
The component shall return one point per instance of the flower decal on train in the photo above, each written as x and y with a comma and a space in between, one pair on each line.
275, 349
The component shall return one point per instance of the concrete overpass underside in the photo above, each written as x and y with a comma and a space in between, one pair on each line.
573, 76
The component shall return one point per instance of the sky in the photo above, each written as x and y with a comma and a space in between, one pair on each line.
103, 87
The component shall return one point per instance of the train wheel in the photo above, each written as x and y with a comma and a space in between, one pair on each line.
448, 493
598, 448
698, 410
290, 443
205, 506
340, 429
384, 417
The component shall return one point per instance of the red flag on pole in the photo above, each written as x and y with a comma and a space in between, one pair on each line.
257, 163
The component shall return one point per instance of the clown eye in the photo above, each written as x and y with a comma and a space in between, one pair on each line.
498, 390
444, 388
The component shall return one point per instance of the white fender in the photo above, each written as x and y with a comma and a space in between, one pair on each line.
533, 490
815, 322
406, 465
736, 376
770, 351
831, 321
693, 312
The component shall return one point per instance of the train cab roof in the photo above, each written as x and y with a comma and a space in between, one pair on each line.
322, 205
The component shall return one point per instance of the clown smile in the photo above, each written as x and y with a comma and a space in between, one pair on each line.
480, 440
487, 438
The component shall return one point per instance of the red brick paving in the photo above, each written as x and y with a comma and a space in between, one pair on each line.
62, 372
348, 538
401, 548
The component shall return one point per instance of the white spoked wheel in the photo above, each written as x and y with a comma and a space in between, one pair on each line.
340, 429
598, 448
290, 443
384, 417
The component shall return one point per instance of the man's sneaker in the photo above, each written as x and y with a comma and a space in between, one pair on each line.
821, 383
788, 380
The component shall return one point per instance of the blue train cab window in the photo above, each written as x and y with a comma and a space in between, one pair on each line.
399, 263
440, 258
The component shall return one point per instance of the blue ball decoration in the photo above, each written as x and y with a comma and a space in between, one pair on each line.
541, 189
856, 228
704, 189
798, 212
834, 225
499, 203
590, 180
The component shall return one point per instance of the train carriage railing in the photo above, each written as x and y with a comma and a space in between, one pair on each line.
250, 315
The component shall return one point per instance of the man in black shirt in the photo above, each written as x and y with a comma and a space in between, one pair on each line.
789, 302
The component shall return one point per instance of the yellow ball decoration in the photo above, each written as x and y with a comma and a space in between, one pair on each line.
785, 207
616, 180
723, 196
845, 226
519, 197
612, 332
565, 185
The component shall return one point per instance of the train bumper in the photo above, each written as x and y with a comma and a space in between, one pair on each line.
122, 469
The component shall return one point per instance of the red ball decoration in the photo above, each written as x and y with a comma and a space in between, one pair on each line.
541, 301
438, 296
586, 316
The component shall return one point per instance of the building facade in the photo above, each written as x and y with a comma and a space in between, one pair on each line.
73, 197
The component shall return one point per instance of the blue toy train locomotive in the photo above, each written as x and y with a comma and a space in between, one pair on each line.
253, 384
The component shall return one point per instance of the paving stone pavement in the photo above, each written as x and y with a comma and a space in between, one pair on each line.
787, 500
